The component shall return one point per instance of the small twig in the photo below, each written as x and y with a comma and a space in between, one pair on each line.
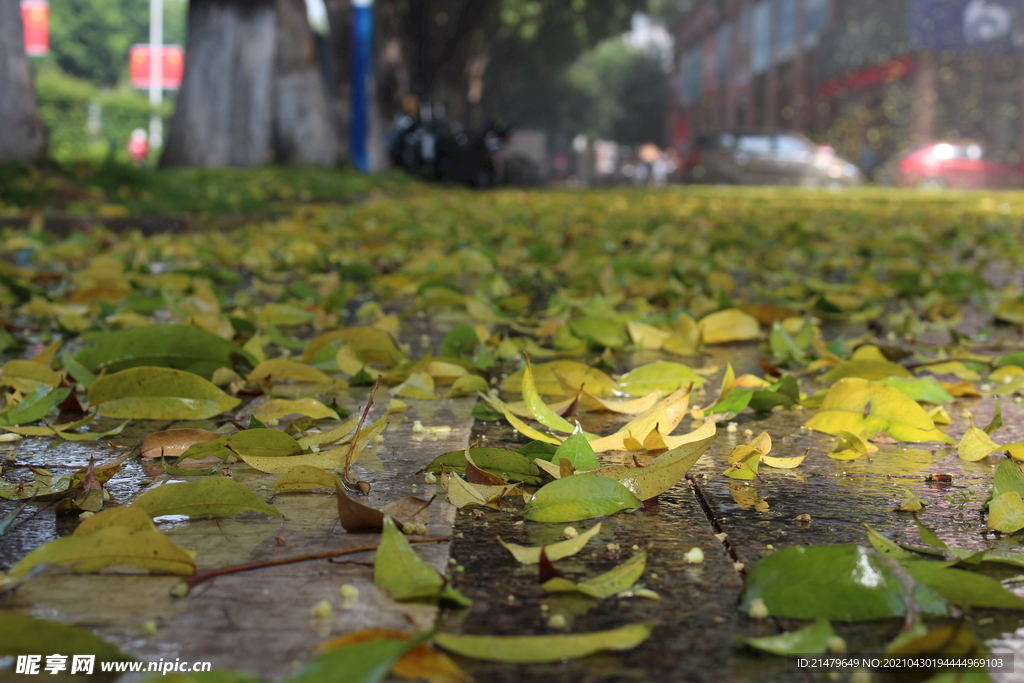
345, 478
197, 579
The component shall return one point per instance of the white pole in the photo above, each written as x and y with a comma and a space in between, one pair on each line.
156, 72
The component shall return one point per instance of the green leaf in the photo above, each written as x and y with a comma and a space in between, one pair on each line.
963, 588
35, 406
866, 369
306, 478
810, 640
498, 461
576, 449
268, 443
664, 375
366, 662
171, 346
836, 582
612, 582
1008, 477
580, 496
1006, 512
158, 393
460, 342
78, 371
925, 389
544, 648
667, 469
785, 393
783, 347
21, 634
208, 497
997, 420
540, 410
860, 406
398, 570
109, 546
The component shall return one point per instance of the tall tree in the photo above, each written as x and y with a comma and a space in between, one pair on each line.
22, 136
252, 92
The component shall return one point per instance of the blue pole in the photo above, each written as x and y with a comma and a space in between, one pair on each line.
362, 71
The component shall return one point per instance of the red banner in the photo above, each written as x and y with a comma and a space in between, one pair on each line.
35, 17
887, 72
173, 65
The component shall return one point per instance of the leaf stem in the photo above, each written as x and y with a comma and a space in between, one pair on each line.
197, 579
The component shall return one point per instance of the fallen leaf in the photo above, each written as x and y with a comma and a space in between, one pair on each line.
861, 406
22, 634
173, 442
208, 497
580, 496
157, 393
543, 648
310, 407
612, 582
553, 551
812, 639
398, 571
125, 542
730, 325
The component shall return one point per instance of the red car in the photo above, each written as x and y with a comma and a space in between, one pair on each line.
961, 164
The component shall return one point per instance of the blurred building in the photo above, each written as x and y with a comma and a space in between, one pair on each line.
870, 77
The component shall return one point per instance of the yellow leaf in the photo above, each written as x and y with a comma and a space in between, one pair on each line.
283, 377
551, 378
976, 445
418, 385
665, 416
278, 408
156, 393
538, 409
26, 376
647, 336
109, 546
783, 463
520, 426
730, 325
861, 406
554, 551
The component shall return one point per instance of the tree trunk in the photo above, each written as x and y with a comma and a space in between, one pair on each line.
22, 136
304, 132
223, 114
252, 92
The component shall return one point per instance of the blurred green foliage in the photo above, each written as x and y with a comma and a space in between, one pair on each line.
89, 39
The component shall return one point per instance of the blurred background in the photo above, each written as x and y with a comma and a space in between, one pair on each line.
584, 92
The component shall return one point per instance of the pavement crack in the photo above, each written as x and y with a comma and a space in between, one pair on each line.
713, 520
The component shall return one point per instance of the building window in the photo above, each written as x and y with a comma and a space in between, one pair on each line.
761, 48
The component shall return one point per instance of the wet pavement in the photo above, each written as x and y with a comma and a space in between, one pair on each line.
260, 622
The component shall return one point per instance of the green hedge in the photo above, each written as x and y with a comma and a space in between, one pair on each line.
64, 109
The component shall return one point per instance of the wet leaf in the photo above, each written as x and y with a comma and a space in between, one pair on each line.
661, 375
578, 451
422, 662
861, 406
157, 393
976, 444
355, 516
310, 407
506, 464
538, 409
866, 369
112, 538
667, 469
963, 588
553, 551
580, 496
850, 446
730, 325
543, 648
359, 662
282, 377
21, 634
925, 389
35, 406
519, 425
419, 385
262, 443
370, 344
171, 346
812, 639
173, 442
404, 576
26, 376
467, 385
549, 378
277, 462
208, 497
785, 393
306, 478
1006, 512
836, 582
463, 494
664, 416
612, 582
